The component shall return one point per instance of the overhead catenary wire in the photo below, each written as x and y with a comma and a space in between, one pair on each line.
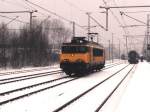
12, 20
53, 13
97, 22
114, 16
47, 10
30, 6
75, 6
15, 4
141, 11
121, 16
85, 12
119, 24
15, 19
125, 30
122, 13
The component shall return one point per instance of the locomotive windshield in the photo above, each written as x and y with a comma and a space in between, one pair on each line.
74, 49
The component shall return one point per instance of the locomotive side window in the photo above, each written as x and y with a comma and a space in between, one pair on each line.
74, 49
97, 52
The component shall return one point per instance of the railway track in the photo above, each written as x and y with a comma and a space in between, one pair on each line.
23, 71
41, 83
113, 91
6, 93
31, 70
94, 87
26, 77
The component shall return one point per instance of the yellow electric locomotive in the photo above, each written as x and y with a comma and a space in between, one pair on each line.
81, 56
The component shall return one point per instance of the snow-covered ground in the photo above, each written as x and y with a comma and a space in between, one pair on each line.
132, 96
136, 98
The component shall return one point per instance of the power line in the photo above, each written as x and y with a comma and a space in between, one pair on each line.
75, 6
122, 13
53, 13
15, 4
125, 30
71, 4
29, 5
35, 9
19, 11
118, 22
113, 15
48, 11
137, 12
13, 18
142, 6
126, 26
97, 22
121, 17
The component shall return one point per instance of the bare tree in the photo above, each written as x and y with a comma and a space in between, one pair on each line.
4, 35
58, 34
35, 46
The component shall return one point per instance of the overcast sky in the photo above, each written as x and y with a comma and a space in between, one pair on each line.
75, 10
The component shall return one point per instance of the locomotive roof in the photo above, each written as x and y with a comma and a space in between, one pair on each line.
82, 41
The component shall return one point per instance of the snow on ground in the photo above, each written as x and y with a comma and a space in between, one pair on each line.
50, 67
49, 100
137, 96
93, 99
133, 95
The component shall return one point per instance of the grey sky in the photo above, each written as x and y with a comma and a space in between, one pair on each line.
75, 10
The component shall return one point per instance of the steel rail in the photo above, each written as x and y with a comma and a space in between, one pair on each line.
41, 83
22, 71
112, 92
37, 91
32, 76
34, 92
87, 91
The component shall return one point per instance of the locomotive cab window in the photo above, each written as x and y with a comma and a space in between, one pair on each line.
97, 52
74, 49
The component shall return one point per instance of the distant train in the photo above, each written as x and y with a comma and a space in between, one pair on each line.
81, 56
133, 57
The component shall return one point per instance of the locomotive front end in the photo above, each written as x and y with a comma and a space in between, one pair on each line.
74, 59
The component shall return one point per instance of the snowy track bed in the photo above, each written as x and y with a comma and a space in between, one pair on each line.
94, 98
25, 70
57, 96
11, 95
27, 77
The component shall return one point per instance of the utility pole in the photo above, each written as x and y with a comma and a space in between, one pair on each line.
119, 48
109, 48
112, 48
107, 19
89, 25
73, 29
31, 16
127, 44
148, 43
30, 20
30, 12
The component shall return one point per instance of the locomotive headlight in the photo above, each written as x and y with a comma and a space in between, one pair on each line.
65, 60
